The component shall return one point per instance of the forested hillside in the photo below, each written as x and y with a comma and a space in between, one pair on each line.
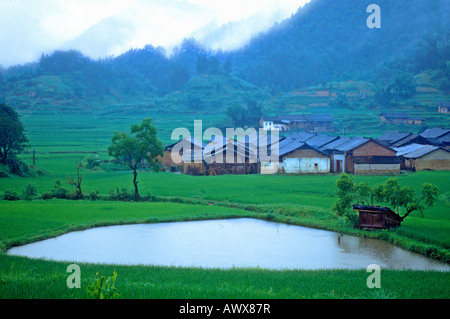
326, 41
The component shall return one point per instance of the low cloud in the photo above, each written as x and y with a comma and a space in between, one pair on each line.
100, 28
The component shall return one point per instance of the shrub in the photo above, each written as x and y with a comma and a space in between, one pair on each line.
93, 195
103, 288
58, 190
30, 192
47, 195
10, 195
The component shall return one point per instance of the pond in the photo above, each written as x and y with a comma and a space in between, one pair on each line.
228, 243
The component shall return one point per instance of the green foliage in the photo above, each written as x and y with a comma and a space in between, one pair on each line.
391, 192
141, 147
12, 134
103, 288
10, 195
245, 116
4, 170
29, 192
58, 190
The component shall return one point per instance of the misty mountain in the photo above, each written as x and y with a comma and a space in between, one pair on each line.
329, 40
325, 41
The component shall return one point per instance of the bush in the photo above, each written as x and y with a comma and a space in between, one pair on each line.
10, 195
30, 192
122, 194
47, 195
93, 195
59, 191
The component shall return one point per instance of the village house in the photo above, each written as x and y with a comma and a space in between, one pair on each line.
301, 158
400, 118
444, 107
173, 160
361, 155
308, 122
220, 156
418, 157
394, 118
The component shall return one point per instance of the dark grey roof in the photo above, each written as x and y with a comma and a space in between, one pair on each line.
193, 141
351, 144
292, 117
395, 115
407, 149
392, 137
333, 145
421, 151
319, 140
288, 145
413, 138
301, 136
434, 132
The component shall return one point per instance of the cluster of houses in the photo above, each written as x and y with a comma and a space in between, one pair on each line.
314, 153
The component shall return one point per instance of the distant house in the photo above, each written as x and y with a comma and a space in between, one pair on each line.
360, 155
173, 153
400, 118
301, 158
424, 157
272, 123
444, 107
308, 122
394, 118
437, 136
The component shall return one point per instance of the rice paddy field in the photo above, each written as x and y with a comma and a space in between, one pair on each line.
62, 140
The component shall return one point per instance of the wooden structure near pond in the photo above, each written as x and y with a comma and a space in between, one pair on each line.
375, 217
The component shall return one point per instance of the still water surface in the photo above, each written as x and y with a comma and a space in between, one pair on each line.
227, 243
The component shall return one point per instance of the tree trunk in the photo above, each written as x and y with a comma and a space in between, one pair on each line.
135, 182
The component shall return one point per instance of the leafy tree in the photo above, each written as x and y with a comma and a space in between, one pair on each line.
141, 146
12, 135
391, 192
247, 115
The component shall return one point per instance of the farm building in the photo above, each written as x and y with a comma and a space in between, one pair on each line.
360, 155
273, 123
301, 158
221, 156
418, 157
308, 122
375, 217
437, 136
400, 118
444, 107
264, 145
173, 153
394, 118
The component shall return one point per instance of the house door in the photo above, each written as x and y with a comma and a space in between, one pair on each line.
338, 166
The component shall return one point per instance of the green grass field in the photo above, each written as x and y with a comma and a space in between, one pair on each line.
301, 200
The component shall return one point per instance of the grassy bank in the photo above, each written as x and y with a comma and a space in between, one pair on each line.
27, 221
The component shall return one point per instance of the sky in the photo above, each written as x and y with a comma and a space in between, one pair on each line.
101, 28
